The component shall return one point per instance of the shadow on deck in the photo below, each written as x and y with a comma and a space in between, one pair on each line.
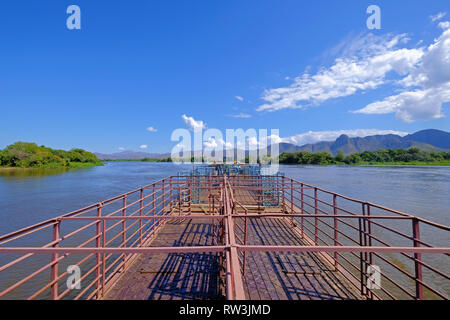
288, 276
191, 276
173, 276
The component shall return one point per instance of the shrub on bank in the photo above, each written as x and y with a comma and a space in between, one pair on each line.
30, 155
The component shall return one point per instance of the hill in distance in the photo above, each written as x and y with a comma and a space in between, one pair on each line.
430, 139
130, 155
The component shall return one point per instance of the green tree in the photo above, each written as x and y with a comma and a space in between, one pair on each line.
340, 157
29, 155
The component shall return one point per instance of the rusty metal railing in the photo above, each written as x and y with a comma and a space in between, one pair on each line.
106, 238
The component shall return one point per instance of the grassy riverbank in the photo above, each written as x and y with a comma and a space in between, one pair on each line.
25, 155
411, 163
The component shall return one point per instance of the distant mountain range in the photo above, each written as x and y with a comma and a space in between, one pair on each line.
130, 155
430, 139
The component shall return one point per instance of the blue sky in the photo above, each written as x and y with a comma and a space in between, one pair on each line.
304, 67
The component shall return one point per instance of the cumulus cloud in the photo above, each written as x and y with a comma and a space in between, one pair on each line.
121, 148
444, 25
438, 16
152, 129
143, 146
251, 142
413, 105
316, 136
192, 124
239, 98
420, 75
364, 65
215, 143
425, 88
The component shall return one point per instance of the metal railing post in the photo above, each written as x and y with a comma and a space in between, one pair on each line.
141, 213
302, 209
124, 232
163, 212
209, 194
417, 259
54, 269
153, 211
98, 245
361, 263
170, 194
369, 238
364, 243
179, 197
335, 211
316, 219
104, 257
245, 240
189, 196
292, 200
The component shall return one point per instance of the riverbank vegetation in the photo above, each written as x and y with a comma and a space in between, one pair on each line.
30, 155
412, 156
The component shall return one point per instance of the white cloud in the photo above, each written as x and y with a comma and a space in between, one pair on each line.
152, 129
438, 16
444, 25
366, 62
426, 87
316, 136
241, 115
143, 146
212, 143
420, 75
121, 148
413, 105
239, 98
193, 124
252, 142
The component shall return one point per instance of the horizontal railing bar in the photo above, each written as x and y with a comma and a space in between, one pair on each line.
14, 235
196, 249
26, 256
236, 215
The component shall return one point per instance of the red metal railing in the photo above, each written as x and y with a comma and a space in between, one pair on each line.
105, 238
323, 218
